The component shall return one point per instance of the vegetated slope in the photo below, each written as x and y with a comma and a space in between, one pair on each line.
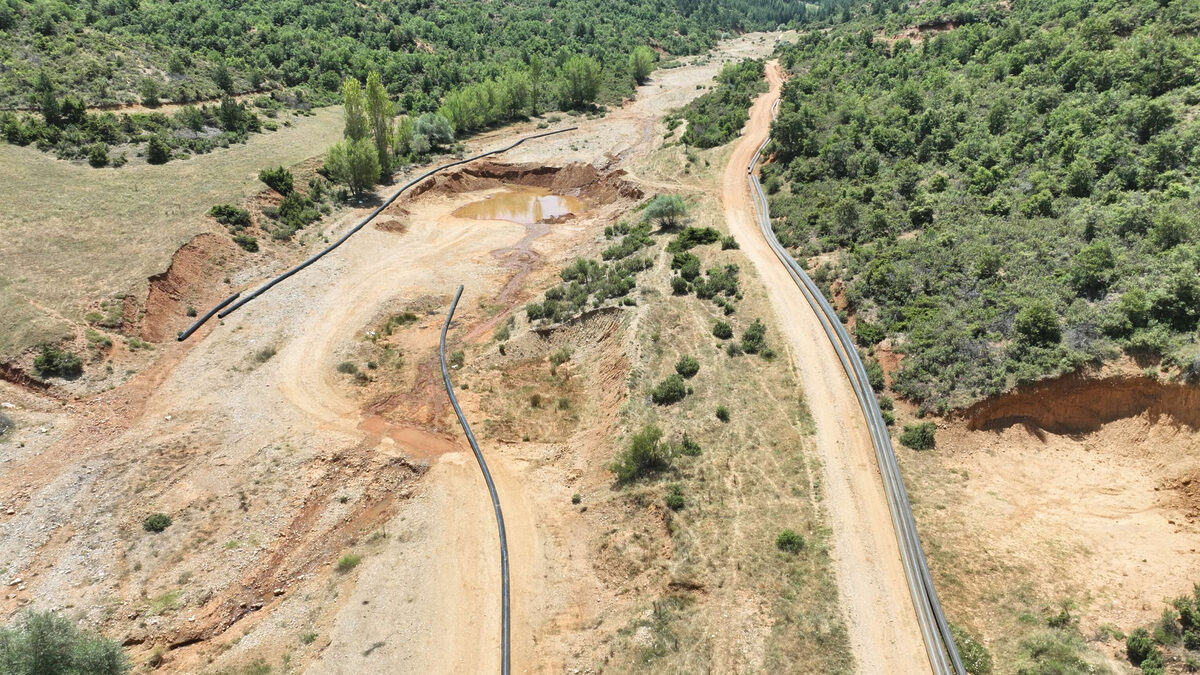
197, 49
1011, 192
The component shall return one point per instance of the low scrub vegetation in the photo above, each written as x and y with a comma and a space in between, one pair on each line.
717, 117
55, 362
645, 455
46, 643
918, 436
671, 390
789, 541
1012, 199
687, 366
156, 522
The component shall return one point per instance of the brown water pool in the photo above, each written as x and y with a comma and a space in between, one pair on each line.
525, 206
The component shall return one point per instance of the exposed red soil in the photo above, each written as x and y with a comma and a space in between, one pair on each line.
193, 273
572, 178
1079, 405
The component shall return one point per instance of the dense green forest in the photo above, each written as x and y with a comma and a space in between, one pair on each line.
1005, 191
103, 50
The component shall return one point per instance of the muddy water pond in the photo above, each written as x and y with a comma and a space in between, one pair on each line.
525, 206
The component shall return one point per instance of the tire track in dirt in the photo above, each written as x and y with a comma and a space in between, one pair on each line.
880, 617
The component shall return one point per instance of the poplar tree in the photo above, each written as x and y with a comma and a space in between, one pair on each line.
357, 125
380, 112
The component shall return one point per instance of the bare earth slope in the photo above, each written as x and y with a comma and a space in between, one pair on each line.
880, 616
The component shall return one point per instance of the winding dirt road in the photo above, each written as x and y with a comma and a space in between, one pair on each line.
883, 627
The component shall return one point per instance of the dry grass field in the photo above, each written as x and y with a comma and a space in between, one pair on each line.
74, 235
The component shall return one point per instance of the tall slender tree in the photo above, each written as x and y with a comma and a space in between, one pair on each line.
380, 113
357, 125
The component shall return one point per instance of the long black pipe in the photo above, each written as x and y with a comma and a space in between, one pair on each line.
361, 225
505, 623
207, 315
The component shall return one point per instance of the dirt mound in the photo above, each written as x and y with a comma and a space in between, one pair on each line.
1080, 405
188, 280
577, 179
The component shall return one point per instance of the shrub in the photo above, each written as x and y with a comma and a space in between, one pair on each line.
975, 657
247, 242
576, 498
98, 155
674, 498
156, 522
728, 243
230, 216
723, 413
874, 373
680, 286
559, 357
348, 562
1037, 324
687, 366
6, 424
535, 401
754, 339
54, 362
722, 330
670, 390
667, 210
157, 151
645, 455
456, 359
1139, 646
45, 642
278, 179
688, 447
347, 368
789, 541
918, 436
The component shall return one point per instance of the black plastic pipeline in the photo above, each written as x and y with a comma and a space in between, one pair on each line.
505, 643
376, 212
207, 315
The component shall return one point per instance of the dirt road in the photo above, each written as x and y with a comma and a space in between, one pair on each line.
879, 612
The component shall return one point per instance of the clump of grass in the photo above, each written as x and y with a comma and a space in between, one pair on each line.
723, 413
397, 320
456, 359
576, 498
136, 343
789, 541
263, 355
535, 401
156, 522
6, 424
348, 562
308, 638
504, 331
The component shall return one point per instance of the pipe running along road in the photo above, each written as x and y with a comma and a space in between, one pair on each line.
939, 643
267, 286
505, 619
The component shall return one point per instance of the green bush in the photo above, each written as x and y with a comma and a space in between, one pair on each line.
156, 522
645, 455
918, 436
230, 216
670, 390
559, 357
754, 339
666, 210
157, 151
278, 179
247, 242
687, 366
54, 362
348, 562
674, 498
874, 373
347, 368
722, 330
98, 155
723, 413
45, 643
975, 657
688, 447
1139, 646
789, 541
